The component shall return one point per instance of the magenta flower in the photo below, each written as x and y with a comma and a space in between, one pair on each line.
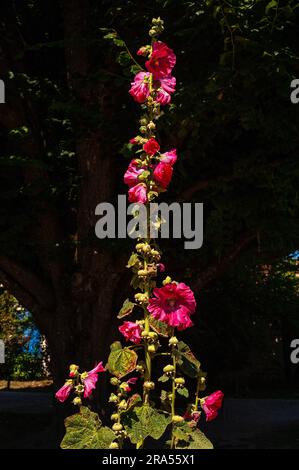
173, 304
211, 405
91, 379
131, 331
166, 88
131, 381
162, 60
138, 193
132, 173
140, 87
63, 393
133, 141
163, 174
169, 157
151, 147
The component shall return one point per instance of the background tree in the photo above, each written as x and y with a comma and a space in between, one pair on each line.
64, 123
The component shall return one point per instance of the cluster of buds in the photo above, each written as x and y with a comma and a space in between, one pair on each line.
156, 28
169, 370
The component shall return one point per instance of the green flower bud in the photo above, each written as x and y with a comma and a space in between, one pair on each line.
122, 405
114, 381
151, 125
180, 381
114, 417
143, 129
167, 280
113, 398
77, 401
168, 368
117, 427
177, 419
151, 348
143, 121
114, 445
173, 341
148, 385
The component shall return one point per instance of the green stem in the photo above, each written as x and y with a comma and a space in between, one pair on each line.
173, 394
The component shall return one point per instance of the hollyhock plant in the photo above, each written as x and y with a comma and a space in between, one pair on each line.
212, 404
140, 87
131, 331
138, 193
159, 312
63, 393
162, 60
173, 304
90, 379
151, 147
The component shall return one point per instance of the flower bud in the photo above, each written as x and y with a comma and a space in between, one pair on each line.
151, 348
173, 341
113, 398
143, 129
114, 381
114, 445
117, 427
122, 405
152, 335
151, 125
73, 370
142, 273
77, 401
148, 385
143, 121
168, 368
114, 417
177, 419
79, 388
167, 280
180, 381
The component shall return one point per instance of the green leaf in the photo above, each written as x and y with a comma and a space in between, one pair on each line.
126, 309
121, 361
163, 378
196, 440
159, 327
183, 391
84, 430
187, 361
144, 421
182, 431
270, 6
123, 58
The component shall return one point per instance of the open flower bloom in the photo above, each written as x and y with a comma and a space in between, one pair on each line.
211, 405
163, 174
132, 173
169, 157
91, 379
131, 331
173, 304
164, 91
151, 147
140, 87
138, 193
162, 60
63, 393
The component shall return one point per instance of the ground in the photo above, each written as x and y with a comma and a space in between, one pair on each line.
27, 420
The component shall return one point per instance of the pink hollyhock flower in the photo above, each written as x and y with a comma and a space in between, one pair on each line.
163, 174
162, 60
167, 87
211, 405
63, 393
169, 157
140, 87
91, 379
151, 147
138, 193
132, 173
173, 304
142, 51
131, 331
